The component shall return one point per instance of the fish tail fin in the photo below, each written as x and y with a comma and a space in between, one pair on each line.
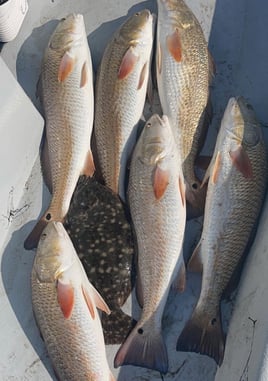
32, 240
204, 335
145, 348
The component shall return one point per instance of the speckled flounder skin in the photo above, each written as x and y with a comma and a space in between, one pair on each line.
101, 234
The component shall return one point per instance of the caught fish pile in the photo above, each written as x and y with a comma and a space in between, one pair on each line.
144, 180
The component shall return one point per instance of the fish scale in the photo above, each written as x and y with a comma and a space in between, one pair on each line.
237, 183
183, 86
119, 102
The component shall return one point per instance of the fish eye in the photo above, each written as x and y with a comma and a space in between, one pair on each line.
137, 13
63, 19
194, 186
43, 236
149, 125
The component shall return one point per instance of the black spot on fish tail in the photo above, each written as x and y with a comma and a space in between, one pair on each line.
204, 335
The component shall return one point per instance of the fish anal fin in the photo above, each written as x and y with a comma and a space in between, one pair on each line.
216, 169
174, 45
139, 292
84, 74
142, 75
66, 66
204, 335
65, 293
145, 348
179, 283
89, 166
128, 63
242, 162
160, 183
195, 263
98, 300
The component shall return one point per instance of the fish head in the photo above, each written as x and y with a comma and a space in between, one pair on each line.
53, 252
241, 124
138, 29
68, 33
157, 140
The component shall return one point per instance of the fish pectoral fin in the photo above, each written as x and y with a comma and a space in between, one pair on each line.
150, 89
160, 182
179, 282
84, 74
67, 65
89, 302
145, 348
112, 378
65, 294
89, 166
213, 170
242, 162
92, 296
174, 45
195, 263
128, 63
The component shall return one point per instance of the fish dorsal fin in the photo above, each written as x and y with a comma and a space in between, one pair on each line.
195, 263
242, 162
161, 181
66, 66
89, 166
216, 168
159, 58
174, 45
128, 63
182, 190
94, 297
142, 75
65, 294
84, 74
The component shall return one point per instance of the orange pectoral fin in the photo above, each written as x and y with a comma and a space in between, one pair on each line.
160, 182
66, 67
242, 162
65, 294
128, 63
174, 45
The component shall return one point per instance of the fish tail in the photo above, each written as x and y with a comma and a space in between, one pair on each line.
32, 240
143, 348
204, 335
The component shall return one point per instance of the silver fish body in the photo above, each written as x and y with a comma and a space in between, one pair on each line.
184, 72
157, 206
64, 304
237, 183
66, 87
120, 96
